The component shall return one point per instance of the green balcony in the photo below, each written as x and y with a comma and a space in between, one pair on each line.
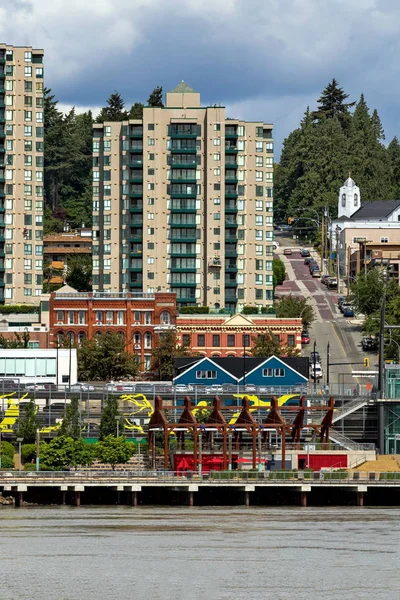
231, 136
183, 136
232, 195
230, 210
230, 284
2, 179
188, 211
183, 254
231, 165
2, 209
183, 240
183, 150
183, 195
136, 179
179, 270
192, 165
183, 180
136, 284
138, 164
2, 269
231, 180
229, 224
136, 209
231, 150
2, 61
2, 238
231, 299
138, 150
136, 135
2, 133
231, 269
136, 194
186, 285
189, 300
231, 253
136, 269
184, 225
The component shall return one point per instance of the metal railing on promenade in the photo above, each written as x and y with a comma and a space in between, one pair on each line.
331, 477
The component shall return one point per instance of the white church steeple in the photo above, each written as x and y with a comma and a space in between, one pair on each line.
349, 198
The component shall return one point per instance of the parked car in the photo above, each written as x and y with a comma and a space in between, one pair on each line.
324, 278
369, 343
348, 311
214, 389
316, 373
332, 282
316, 273
81, 387
275, 244
55, 407
305, 338
287, 251
250, 387
181, 388
307, 260
35, 387
345, 305
305, 253
315, 356
340, 300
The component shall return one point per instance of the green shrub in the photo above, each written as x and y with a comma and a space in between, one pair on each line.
28, 466
8, 309
383, 476
268, 310
7, 462
7, 449
249, 310
28, 452
194, 310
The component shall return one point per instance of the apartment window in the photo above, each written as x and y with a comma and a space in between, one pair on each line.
217, 141
150, 156
9, 100
27, 291
151, 141
150, 126
107, 190
28, 130
259, 161
99, 316
28, 71
259, 220
269, 177
39, 103
81, 317
201, 340
39, 175
217, 187
217, 156
9, 174
259, 176
231, 340
28, 115
28, 278
9, 115
217, 126
28, 86
38, 250
39, 72
27, 249
165, 318
246, 340
150, 171
9, 85
268, 372
217, 171
109, 316
217, 216
150, 186
150, 201
259, 146
107, 130
269, 161
291, 340
279, 372
259, 234
216, 341
216, 246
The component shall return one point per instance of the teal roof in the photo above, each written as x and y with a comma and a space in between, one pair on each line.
183, 88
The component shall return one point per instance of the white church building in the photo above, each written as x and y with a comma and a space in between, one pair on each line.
362, 223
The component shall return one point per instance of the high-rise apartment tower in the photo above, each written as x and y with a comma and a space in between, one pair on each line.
183, 202
21, 174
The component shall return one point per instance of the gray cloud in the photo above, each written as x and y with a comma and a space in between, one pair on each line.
263, 59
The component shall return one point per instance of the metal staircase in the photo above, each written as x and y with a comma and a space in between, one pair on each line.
349, 408
342, 440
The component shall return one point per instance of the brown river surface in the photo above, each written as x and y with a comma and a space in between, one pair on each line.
179, 553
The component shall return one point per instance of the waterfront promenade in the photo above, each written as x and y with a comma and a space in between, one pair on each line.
264, 488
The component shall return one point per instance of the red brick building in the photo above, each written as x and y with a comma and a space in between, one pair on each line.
222, 335
140, 317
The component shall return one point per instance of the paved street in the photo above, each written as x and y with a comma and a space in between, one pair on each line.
343, 335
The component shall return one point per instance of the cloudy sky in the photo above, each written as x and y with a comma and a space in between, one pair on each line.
263, 59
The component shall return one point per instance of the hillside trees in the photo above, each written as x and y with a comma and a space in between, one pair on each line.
339, 138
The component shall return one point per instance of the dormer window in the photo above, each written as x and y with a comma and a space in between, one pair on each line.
355, 199
343, 200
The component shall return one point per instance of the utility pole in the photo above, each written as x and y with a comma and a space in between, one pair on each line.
337, 258
327, 363
314, 364
322, 243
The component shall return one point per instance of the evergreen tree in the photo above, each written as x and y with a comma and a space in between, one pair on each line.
164, 353
108, 423
115, 109
394, 157
70, 426
79, 274
156, 97
332, 104
105, 359
54, 148
369, 162
28, 424
136, 111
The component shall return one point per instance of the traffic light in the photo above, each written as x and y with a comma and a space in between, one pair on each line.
366, 362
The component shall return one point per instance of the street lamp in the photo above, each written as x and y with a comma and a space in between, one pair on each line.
37, 450
19, 440
117, 419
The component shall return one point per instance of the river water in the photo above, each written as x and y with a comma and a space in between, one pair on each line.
179, 553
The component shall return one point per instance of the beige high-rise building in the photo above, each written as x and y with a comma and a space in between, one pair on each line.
21, 174
183, 202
